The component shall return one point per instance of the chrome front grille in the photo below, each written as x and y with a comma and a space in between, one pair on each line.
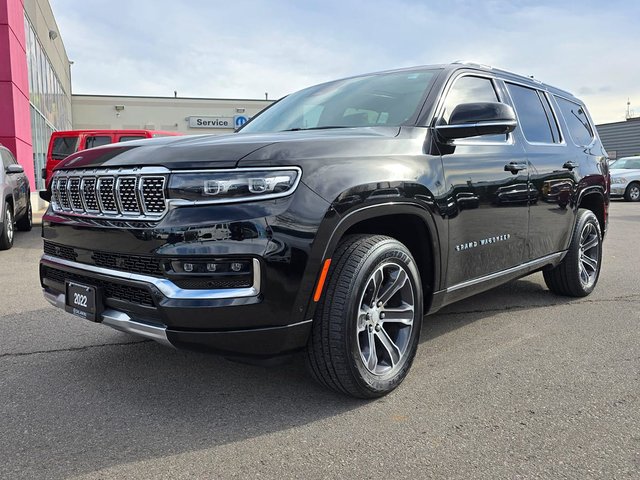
134, 193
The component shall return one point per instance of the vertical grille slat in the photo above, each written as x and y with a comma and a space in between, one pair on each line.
117, 194
152, 189
127, 195
106, 194
63, 193
74, 194
88, 188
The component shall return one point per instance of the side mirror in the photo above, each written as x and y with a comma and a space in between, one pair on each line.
474, 119
14, 168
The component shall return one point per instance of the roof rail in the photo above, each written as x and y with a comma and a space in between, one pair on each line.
473, 64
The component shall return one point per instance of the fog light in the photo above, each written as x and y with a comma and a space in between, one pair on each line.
236, 266
212, 267
187, 267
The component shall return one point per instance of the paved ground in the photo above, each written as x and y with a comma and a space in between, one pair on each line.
515, 383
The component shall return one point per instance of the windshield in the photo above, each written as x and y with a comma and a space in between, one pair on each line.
388, 99
627, 163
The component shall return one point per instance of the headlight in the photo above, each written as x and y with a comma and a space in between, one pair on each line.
620, 180
225, 186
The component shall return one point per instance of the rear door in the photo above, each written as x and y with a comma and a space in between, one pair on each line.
552, 178
487, 205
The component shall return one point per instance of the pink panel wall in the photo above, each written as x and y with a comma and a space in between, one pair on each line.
15, 120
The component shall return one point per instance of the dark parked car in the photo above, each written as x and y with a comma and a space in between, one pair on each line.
333, 220
15, 199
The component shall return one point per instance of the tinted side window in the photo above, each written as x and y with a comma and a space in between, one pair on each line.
533, 118
470, 90
577, 121
63, 147
97, 141
126, 138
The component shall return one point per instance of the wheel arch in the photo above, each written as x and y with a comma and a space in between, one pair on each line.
594, 199
407, 222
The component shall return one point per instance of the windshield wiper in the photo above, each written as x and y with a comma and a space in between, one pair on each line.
297, 129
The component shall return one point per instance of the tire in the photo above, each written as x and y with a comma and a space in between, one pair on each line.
632, 193
26, 222
8, 231
578, 273
339, 355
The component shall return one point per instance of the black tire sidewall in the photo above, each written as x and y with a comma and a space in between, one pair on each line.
386, 251
5, 242
25, 224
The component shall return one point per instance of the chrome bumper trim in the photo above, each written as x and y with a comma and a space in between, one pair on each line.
119, 321
167, 287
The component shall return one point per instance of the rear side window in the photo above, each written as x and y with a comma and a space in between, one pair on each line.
534, 114
97, 141
577, 121
127, 138
63, 147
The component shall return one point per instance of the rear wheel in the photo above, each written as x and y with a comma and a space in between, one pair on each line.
367, 325
577, 274
6, 236
632, 194
26, 222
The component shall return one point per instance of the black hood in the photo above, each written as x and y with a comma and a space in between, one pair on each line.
212, 151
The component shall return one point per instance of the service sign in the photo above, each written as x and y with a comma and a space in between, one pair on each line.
211, 122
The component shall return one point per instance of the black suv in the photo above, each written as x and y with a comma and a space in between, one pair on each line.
334, 219
15, 199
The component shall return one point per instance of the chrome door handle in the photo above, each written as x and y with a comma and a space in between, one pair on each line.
515, 167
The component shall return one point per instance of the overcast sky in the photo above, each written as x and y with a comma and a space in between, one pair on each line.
244, 48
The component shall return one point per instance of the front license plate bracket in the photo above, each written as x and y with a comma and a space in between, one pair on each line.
84, 301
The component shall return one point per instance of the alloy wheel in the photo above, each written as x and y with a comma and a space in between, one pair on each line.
634, 193
589, 255
9, 225
385, 319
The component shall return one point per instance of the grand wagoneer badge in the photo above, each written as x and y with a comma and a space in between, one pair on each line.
482, 242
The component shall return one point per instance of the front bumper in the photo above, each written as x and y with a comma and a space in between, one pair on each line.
617, 190
173, 308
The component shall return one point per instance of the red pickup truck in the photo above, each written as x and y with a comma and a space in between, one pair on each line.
64, 143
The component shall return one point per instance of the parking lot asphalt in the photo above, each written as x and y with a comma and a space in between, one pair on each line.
513, 383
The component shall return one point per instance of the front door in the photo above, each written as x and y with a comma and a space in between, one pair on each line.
487, 204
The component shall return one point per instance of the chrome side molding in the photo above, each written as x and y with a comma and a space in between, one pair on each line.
529, 266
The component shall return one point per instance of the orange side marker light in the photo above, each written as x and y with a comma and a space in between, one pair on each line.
323, 277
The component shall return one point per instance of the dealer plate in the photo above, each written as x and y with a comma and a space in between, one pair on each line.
81, 300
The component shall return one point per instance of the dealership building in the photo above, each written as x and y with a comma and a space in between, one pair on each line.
36, 94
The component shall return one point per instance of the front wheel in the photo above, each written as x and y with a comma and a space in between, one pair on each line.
367, 325
578, 273
632, 194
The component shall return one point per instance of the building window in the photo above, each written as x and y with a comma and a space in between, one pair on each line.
50, 104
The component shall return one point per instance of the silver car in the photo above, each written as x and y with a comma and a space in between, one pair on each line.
15, 199
625, 178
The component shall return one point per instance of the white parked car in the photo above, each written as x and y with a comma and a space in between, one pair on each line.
625, 178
